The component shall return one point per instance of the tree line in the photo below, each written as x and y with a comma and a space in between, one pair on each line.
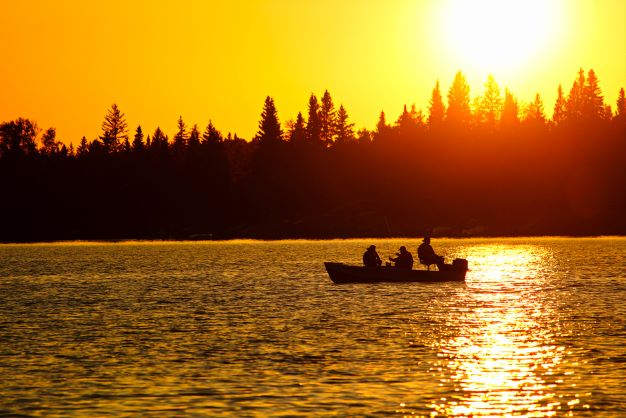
486, 165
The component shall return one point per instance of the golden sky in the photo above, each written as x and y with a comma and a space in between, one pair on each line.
64, 62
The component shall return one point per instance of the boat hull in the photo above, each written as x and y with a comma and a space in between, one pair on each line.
344, 273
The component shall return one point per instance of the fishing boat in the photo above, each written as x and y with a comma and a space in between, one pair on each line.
345, 273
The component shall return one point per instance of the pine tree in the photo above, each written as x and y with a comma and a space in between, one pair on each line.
510, 110
436, 108
535, 112
211, 135
269, 132
560, 113
409, 122
314, 124
593, 102
459, 110
404, 120
328, 119
194, 137
83, 147
620, 111
126, 146
297, 133
180, 139
382, 129
138, 144
574, 105
490, 104
364, 136
345, 130
159, 140
114, 130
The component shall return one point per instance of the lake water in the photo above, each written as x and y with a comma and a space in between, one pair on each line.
255, 329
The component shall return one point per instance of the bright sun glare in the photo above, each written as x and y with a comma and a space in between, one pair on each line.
498, 35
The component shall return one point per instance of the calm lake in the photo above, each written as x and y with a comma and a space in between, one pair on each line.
255, 329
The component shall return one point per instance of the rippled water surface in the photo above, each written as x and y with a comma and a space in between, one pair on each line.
258, 329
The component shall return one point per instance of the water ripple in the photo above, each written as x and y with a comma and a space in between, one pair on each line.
257, 329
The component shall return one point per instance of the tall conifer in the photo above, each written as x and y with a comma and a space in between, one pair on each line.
269, 126
436, 108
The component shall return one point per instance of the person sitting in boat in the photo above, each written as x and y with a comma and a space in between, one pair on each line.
427, 255
403, 259
371, 258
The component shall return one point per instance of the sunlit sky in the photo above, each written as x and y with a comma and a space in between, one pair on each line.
64, 62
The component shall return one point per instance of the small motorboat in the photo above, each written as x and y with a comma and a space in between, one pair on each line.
344, 273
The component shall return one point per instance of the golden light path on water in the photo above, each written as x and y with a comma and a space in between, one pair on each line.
503, 360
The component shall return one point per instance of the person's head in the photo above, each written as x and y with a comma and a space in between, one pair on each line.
427, 240
372, 248
403, 249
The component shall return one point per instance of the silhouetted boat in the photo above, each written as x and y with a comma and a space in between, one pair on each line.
344, 273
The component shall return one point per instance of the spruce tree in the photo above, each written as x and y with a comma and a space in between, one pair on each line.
138, 144
459, 110
114, 129
620, 111
593, 102
180, 139
211, 134
313, 124
560, 112
194, 137
345, 129
490, 104
436, 108
510, 110
328, 119
575, 103
269, 132
382, 129
83, 147
535, 112
297, 133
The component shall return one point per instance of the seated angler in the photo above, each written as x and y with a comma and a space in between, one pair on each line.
404, 259
427, 255
371, 258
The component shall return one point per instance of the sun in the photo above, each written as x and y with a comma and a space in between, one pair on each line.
497, 36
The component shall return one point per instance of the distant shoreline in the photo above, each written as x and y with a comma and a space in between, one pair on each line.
346, 238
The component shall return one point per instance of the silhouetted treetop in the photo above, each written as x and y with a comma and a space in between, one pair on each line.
620, 110
462, 168
344, 129
490, 103
114, 130
270, 131
510, 110
138, 141
560, 107
535, 112
314, 124
328, 119
211, 134
436, 108
297, 130
17, 138
459, 110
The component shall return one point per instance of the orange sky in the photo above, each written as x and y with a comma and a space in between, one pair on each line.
65, 62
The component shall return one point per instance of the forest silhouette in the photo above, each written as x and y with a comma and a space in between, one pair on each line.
482, 166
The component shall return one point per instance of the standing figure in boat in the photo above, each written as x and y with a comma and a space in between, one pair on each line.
371, 258
427, 255
403, 259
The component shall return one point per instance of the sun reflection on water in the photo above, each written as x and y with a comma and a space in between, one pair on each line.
503, 360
